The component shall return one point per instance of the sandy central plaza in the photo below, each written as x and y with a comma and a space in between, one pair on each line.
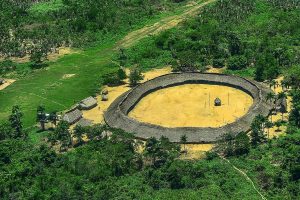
192, 105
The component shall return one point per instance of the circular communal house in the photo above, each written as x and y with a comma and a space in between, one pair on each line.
117, 114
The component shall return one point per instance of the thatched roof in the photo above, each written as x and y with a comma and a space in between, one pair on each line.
105, 91
88, 103
116, 115
72, 116
84, 122
2, 81
218, 101
104, 97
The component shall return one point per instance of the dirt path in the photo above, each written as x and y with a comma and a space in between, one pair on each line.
164, 24
246, 176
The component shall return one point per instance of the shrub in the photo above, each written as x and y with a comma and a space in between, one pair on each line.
114, 78
135, 76
237, 62
7, 66
219, 63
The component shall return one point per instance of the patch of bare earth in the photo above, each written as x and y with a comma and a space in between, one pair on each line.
96, 114
60, 52
7, 83
67, 76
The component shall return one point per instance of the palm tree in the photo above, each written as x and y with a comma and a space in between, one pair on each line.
53, 118
183, 140
277, 124
41, 116
15, 120
270, 97
152, 149
272, 84
78, 132
281, 96
284, 85
268, 125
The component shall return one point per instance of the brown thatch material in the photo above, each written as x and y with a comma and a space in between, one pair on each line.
105, 92
104, 97
84, 122
116, 115
88, 103
72, 116
2, 81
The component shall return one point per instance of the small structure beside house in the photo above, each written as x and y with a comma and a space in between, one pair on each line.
2, 81
218, 102
104, 91
83, 122
104, 97
88, 103
72, 116
281, 105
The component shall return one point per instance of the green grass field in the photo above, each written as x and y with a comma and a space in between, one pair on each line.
47, 86
45, 7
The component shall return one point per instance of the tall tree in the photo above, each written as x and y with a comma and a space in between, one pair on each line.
241, 144
281, 96
16, 121
183, 140
257, 133
41, 116
63, 134
135, 76
78, 133
53, 118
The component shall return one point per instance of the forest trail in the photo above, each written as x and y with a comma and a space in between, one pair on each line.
246, 176
164, 24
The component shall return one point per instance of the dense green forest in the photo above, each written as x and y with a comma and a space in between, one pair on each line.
37, 28
108, 167
258, 39
254, 38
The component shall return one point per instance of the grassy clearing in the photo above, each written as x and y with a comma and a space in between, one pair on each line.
45, 7
48, 87
246, 73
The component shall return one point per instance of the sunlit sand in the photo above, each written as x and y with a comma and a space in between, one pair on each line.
192, 105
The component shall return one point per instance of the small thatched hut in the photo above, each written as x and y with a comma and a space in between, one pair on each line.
84, 122
104, 97
72, 116
218, 102
104, 91
88, 103
2, 81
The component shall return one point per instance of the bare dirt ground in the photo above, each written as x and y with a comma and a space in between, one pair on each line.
215, 70
67, 76
96, 114
195, 151
62, 51
192, 105
7, 83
